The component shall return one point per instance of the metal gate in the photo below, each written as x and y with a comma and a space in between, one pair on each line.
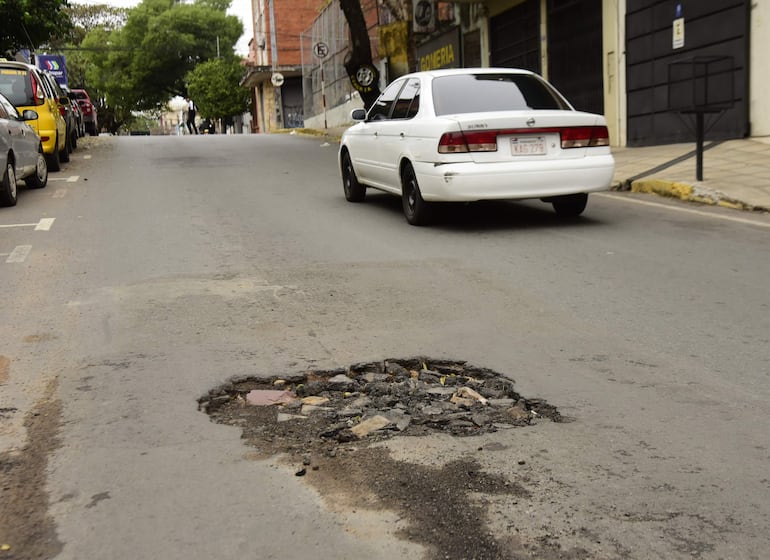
712, 28
575, 52
514, 37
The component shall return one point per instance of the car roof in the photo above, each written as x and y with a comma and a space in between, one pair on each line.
464, 71
17, 64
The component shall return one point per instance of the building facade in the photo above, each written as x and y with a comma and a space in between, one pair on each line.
274, 65
650, 66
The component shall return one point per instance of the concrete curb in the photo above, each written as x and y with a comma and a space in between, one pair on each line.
691, 193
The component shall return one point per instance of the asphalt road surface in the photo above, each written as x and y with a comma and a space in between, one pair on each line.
153, 269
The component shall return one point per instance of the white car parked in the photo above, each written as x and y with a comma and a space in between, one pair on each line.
475, 134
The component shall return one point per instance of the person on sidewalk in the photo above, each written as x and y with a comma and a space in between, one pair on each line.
191, 126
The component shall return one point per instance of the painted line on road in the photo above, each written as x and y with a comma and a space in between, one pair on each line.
44, 224
87, 157
70, 179
60, 193
686, 210
19, 254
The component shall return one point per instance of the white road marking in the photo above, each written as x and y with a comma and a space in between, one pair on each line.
60, 193
686, 210
19, 254
87, 156
70, 179
17, 225
44, 224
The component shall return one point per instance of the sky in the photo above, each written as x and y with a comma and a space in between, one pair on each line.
240, 8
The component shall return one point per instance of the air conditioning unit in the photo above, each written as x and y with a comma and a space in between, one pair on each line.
424, 16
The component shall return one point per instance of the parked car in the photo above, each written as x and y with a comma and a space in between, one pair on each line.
89, 111
23, 84
475, 134
21, 152
65, 108
81, 126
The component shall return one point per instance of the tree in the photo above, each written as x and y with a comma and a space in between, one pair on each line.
30, 23
147, 60
358, 64
214, 87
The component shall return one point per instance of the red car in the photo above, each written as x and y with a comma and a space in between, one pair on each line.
89, 111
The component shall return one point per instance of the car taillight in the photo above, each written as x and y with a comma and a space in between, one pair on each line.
62, 111
585, 137
463, 142
486, 140
37, 92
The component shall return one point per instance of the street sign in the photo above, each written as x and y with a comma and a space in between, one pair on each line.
277, 79
321, 49
678, 33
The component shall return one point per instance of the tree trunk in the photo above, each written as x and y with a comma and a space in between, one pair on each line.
358, 64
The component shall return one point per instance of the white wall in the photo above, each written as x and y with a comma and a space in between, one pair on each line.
759, 101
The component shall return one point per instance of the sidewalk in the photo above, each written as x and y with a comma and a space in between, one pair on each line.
736, 173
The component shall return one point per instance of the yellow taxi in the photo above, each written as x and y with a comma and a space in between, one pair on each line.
25, 87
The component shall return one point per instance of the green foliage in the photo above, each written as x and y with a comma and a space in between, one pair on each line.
213, 86
31, 23
146, 61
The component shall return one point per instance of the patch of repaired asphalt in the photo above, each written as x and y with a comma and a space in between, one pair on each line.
27, 531
443, 506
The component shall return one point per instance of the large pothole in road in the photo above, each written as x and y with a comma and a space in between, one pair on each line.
325, 422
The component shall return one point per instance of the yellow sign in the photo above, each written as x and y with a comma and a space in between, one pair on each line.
678, 41
442, 57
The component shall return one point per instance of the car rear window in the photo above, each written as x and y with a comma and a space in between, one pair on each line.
80, 95
15, 85
482, 93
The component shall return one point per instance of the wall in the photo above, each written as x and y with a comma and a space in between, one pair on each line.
759, 109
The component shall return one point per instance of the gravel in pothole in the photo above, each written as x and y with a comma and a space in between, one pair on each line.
372, 401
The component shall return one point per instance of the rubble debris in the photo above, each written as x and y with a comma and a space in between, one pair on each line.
376, 400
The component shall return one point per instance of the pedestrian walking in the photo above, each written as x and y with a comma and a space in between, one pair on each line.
191, 126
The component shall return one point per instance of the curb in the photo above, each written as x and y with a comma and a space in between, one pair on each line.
691, 193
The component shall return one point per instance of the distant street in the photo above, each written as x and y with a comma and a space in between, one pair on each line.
152, 270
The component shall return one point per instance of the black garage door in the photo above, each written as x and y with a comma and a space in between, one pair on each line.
575, 52
713, 29
514, 37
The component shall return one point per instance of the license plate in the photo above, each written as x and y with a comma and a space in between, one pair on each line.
528, 146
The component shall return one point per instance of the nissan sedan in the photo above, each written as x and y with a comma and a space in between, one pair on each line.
475, 134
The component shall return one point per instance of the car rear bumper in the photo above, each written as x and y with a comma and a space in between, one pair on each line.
470, 181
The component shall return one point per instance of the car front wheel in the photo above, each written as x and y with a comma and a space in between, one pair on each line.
354, 191
8, 186
570, 206
39, 179
416, 210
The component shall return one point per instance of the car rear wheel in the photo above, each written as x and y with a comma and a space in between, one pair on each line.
8, 185
52, 159
39, 179
354, 191
416, 210
570, 206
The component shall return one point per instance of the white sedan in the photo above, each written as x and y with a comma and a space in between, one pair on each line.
473, 134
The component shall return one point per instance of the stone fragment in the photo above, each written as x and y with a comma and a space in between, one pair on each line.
311, 408
519, 412
369, 425
283, 417
267, 397
501, 403
279, 382
340, 379
315, 400
440, 391
468, 393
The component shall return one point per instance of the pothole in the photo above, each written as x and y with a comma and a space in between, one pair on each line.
326, 422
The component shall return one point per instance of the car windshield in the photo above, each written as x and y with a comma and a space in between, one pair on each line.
482, 93
15, 85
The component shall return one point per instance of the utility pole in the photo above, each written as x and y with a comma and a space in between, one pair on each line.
274, 61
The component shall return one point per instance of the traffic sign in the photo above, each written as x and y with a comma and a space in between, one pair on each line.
277, 79
321, 49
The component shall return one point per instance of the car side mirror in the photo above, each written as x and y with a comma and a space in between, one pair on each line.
64, 100
29, 115
358, 115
